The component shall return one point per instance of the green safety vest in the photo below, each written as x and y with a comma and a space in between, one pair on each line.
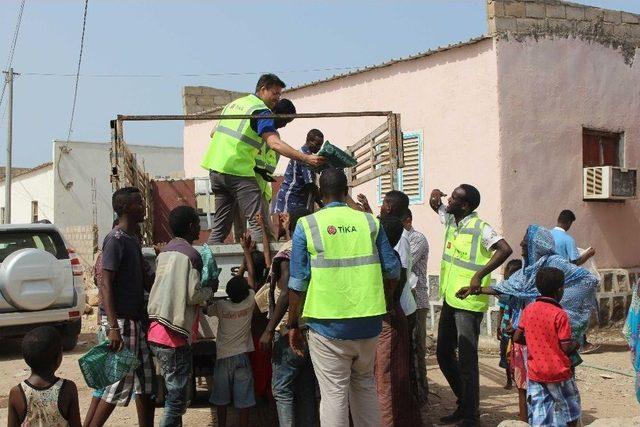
267, 160
235, 145
462, 257
346, 275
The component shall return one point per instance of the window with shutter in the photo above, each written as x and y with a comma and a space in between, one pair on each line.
410, 177
601, 148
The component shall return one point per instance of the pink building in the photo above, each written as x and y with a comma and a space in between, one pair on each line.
553, 88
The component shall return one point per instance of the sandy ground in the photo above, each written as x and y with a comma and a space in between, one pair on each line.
604, 394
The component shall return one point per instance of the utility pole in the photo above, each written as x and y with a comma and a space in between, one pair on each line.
7, 178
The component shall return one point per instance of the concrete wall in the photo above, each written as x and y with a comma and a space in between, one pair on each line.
198, 99
81, 239
31, 186
549, 89
450, 97
196, 137
562, 19
196, 134
84, 161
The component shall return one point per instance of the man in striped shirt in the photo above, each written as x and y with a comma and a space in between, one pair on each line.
299, 183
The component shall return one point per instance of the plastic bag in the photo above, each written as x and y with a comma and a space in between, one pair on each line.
335, 157
210, 270
102, 367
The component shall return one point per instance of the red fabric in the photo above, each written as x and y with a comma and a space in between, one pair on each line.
546, 325
261, 366
160, 334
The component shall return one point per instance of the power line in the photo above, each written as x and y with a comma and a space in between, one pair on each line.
75, 90
12, 51
64, 149
220, 74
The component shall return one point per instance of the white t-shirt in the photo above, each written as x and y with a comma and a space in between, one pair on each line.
407, 301
234, 326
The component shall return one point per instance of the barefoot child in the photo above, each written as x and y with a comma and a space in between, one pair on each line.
43, 399
544, 327
232, 378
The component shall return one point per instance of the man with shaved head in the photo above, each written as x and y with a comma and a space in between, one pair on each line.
344, 269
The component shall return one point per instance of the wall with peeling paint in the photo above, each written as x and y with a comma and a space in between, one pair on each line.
450, 97
548, 90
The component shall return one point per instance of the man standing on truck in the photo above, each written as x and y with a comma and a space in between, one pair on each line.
267, 161
299, 186
231, 157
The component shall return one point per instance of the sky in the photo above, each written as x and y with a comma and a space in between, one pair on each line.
234, 40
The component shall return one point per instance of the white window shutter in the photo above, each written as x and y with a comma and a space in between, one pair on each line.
411, 173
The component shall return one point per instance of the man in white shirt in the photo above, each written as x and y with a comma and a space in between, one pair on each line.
420, 287
396, 203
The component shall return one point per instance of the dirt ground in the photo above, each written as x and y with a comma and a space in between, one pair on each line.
605, 394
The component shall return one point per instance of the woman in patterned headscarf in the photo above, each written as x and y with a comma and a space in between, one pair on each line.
632, 333
579, 299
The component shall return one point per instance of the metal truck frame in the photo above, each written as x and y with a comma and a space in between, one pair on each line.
378, 153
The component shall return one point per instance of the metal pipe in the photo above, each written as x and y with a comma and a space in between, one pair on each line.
136, 118
7, 170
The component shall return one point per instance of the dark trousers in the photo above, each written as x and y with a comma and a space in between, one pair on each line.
460, 329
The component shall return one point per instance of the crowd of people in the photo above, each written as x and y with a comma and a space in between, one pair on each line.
338, 316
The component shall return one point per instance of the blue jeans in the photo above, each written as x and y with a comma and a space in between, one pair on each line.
175, 365
293, 376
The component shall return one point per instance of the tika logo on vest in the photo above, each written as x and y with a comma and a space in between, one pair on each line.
341, 229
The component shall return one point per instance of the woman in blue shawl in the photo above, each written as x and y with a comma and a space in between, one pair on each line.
632, 333
579, 299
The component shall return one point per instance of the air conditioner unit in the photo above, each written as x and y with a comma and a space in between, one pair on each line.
609, 183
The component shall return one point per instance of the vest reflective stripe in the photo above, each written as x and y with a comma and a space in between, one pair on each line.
235, 145
463, 264
320, 262
268, 161
237, 135
346, 275
462, 257
262, 165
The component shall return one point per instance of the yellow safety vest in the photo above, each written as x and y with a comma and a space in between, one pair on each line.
266, 160
235, 145
462, 257
346, 275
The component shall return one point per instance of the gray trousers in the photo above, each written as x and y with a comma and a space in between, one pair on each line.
231, 193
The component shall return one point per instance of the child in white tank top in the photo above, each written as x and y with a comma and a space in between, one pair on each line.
43, 400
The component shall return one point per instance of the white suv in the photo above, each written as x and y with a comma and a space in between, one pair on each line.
41, 282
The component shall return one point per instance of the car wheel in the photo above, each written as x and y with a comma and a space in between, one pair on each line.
70, 333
